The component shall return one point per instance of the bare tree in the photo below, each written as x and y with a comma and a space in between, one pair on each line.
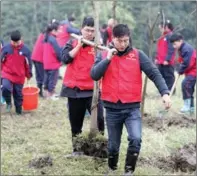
150, 48
114, 3
93, 123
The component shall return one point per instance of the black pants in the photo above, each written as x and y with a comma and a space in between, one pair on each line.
39, 73
8, 88
77, 108
167, 71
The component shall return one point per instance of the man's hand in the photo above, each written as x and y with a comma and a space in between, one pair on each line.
80, 43
166, 101
110, 53
156, 61
165, 63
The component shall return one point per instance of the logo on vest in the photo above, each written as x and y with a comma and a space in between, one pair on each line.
131, 56
92, 51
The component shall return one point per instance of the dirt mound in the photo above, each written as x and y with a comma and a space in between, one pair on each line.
41, 162
184, 160
96, 147
160, 124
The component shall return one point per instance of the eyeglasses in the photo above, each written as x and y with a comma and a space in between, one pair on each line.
89, 30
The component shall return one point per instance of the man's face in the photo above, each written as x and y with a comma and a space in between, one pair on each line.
88, 32
177, 44
121, 43
15, 44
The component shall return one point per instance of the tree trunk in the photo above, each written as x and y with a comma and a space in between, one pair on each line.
93, 123
49, 12
150, 48
35, 17
114, 3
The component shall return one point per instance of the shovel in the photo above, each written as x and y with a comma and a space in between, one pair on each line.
163, 112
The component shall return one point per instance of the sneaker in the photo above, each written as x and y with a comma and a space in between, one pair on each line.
3, 100
8, 108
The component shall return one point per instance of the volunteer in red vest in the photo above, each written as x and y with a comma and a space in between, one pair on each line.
121, 72
77, 84
166, 54
51, 59
16, 66
2, 99
37, 57
65, 29
187, 59
107, 37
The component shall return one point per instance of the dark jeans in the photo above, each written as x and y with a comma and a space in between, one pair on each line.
39, 73
77, 108
167, 71
8, 88
50, 79
115, 119
188, 87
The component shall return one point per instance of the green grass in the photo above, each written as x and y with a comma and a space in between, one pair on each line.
47, 131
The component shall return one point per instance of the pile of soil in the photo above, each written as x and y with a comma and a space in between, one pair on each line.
160, 124
41, 162
96, 146
184, 160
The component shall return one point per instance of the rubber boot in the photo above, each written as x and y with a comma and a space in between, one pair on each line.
7, 96
113, 161
112, 164
186, 106
41, 90
130, 163
18, 110
192, 106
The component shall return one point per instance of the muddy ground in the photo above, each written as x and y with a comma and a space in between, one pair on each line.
183, 159
161, 124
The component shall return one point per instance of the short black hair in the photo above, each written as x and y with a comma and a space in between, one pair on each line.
71, 18
15, 35
121, 30
88, 21
176, 37
104, 26
168, 24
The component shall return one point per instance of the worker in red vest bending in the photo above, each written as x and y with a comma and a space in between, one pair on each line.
187, 59
121, 94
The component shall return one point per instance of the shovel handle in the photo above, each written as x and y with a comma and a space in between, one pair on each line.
174, 85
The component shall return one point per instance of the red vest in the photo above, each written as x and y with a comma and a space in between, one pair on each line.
162, 51
78, 72
191, 69
50, 60
63, 36
15, 67
37, 53
123, 79
109, 31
